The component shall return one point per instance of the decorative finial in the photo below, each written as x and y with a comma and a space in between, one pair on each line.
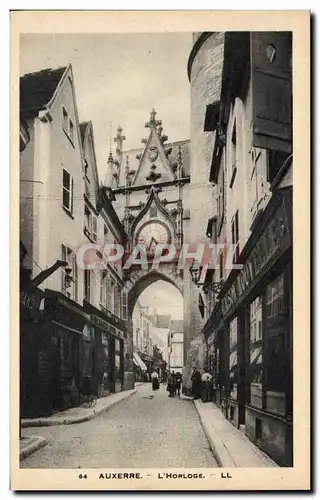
153, 123
110, 158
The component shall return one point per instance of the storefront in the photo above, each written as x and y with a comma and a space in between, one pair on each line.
251, 335
139, 367
108, 351
30, 328
61, 352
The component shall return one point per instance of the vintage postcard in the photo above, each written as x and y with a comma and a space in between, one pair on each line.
160, 203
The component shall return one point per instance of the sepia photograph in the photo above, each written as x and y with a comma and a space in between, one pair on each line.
156, 230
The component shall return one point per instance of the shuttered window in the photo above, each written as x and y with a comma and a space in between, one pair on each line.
271, 75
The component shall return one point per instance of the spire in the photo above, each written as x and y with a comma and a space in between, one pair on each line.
153, 123
109, 180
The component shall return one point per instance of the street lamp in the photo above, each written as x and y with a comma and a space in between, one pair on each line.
195, 273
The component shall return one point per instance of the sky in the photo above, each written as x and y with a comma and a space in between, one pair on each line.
119, 79
163, 297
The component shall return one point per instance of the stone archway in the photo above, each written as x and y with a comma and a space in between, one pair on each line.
138, 282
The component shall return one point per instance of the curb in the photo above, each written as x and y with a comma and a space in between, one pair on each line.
33, 447
75, 420
219, 451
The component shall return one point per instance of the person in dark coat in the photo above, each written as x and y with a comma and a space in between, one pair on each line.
171, 387
155, 380
178, 383
196, 383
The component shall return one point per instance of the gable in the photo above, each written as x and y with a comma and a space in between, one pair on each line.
91, 180
154, 165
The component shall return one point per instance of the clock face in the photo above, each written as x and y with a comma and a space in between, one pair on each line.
153, 233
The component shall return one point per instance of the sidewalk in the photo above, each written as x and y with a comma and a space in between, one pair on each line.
29, 445
229, 445
79, 414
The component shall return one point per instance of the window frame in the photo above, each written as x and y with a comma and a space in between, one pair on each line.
68, 190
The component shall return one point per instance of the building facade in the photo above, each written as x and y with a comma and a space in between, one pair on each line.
248, 310
77, 340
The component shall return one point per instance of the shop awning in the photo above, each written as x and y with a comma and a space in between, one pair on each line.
138, 362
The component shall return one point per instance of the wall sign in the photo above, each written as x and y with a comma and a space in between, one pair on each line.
104, 325
274, 240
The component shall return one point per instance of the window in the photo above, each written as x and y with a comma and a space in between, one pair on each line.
71, 130
90, 224
67, 124
103, 288
87, 285
235, 236
118, 307
69, 281
220, 200
275, 161
112, 295
221, 265
67, 190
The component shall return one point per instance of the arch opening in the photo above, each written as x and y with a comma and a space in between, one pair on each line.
156, 304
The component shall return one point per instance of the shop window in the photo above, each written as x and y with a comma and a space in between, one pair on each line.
233, 358
275, 298
276, 374
67, 190
276, 354
255, 369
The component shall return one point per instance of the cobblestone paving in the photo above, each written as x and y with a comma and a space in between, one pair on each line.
140, 432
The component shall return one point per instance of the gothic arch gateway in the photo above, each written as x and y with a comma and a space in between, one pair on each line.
148, 185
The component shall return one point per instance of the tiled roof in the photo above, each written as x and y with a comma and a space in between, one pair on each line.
36, 89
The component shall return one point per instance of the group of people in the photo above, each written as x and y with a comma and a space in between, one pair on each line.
174, 384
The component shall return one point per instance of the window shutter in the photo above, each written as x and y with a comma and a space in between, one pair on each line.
124, 305
71, 196
271, 76
94, 228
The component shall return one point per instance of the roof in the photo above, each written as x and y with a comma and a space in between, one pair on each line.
37, 89
176, 325
163, 321
172, 157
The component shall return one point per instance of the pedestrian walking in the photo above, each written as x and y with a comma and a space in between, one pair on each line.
155, 380
171, 387
178, 383
196, 383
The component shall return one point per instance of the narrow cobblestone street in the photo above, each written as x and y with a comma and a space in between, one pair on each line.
139, 432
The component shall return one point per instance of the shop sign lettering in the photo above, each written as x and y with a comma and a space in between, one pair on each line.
273, 240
